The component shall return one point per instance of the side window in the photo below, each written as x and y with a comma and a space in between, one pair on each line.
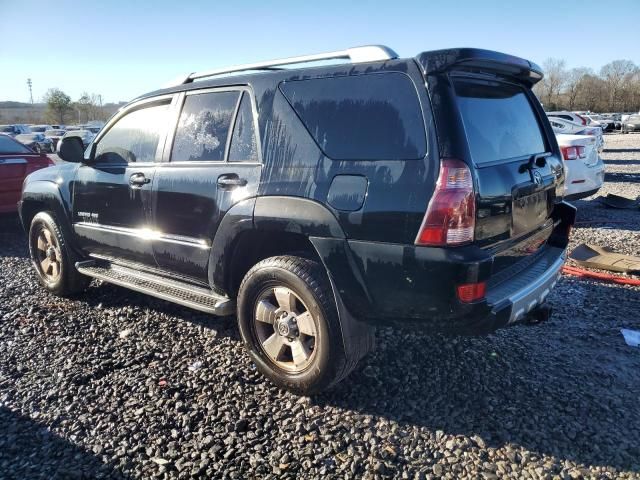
203, 127
243, 141
361, 117
135, 137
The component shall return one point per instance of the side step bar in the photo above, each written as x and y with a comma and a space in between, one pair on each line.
174, 291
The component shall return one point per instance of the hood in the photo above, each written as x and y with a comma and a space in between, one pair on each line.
56, 173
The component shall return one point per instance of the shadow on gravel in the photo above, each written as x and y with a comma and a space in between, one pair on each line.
617, 177
621, 162
12, 238
568, 388
620, 150
29, 450
107, 295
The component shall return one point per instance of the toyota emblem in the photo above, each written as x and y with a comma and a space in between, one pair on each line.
537, 177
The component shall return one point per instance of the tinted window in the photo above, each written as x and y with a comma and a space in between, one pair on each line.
37, 129
203, 127
499, 121
8, 145
133, 138
368, 117
243, 141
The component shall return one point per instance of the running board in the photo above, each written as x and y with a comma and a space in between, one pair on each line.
174, 291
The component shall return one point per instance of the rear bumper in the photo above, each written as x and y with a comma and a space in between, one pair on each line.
514, 298
582, 180
382, 283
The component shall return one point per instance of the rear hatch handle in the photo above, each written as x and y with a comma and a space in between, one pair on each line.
538, 160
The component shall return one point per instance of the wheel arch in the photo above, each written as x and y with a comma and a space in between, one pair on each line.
257, 228
43, 196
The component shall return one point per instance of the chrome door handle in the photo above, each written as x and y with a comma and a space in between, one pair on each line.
138, 179
230, 181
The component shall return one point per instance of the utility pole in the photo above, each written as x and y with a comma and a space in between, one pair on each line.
30, 84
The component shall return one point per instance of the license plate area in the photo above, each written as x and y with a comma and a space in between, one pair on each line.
530, 211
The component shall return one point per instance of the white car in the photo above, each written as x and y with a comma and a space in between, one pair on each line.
600, 121
583, 167
560, 125
571, 116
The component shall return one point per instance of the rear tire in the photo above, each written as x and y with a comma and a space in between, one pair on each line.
52, 259
290, 326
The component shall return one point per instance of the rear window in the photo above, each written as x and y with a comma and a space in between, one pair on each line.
499, 121
361, 117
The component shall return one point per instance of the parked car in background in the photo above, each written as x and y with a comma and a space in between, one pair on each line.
607, 125
16, 162
14, 130
40, 128
55, 135
36, 142
631, 124
571, 116
361, 202
86, 136
560, 125
584, 169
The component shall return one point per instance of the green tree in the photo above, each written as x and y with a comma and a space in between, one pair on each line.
58, 103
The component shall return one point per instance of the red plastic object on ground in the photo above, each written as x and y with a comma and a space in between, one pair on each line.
605, 277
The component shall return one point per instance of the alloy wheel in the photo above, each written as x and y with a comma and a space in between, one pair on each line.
48, 254
285, 329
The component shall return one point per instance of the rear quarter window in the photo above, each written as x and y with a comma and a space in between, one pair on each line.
499, 120
361, 117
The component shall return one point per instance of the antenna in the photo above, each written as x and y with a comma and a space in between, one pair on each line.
30, 85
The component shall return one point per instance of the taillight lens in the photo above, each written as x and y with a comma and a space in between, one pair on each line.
569, 153
582, 119
573, 153
470, 292
451, 215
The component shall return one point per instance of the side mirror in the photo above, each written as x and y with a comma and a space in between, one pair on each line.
71, 149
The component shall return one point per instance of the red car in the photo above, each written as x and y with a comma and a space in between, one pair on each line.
16, 162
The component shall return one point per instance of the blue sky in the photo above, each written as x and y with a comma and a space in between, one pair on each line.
121, 49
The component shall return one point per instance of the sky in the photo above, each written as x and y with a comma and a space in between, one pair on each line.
121, 49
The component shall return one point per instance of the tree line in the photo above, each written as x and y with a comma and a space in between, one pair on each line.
615, 88
61, 109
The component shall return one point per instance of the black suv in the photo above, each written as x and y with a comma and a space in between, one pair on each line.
316, 202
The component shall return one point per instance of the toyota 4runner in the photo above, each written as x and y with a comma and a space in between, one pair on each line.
315, 202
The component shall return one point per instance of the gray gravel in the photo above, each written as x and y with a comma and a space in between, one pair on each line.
113, 384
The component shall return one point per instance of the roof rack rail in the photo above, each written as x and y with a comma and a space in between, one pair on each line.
367, 53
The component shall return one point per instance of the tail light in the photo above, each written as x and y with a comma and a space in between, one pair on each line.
450, 219
582, 119
573, 153
470, 292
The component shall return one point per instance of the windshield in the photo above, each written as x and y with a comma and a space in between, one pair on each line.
8, 145
499, 120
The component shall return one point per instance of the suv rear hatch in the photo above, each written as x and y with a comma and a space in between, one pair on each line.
488, 116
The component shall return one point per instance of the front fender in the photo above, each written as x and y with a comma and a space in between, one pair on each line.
47, 195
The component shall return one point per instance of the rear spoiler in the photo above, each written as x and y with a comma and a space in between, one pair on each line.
478, 60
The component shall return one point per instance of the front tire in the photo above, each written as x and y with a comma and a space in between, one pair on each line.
289, 324
52, 258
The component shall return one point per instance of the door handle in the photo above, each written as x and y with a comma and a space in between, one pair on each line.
231, 180
138, 179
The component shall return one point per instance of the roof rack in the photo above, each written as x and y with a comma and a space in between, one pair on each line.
367, 53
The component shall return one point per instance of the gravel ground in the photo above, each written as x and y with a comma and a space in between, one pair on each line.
112, 384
